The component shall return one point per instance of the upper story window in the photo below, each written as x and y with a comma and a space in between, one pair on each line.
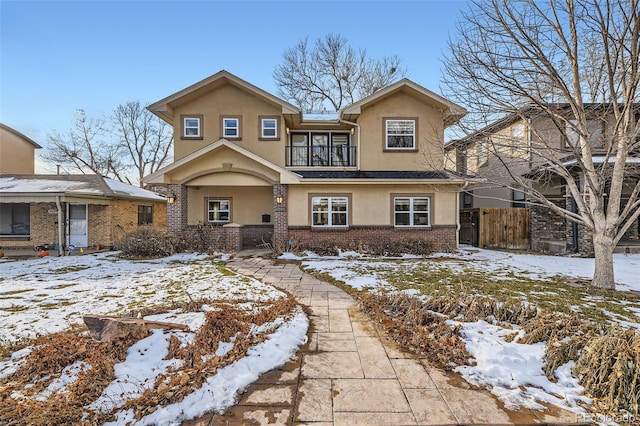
231, 128
412, 211
483, 153
15, 219
269, 128
518, 197
400, 134
517, 137
145, 215
320, 149
330, 211
191, 127
595, 130
218, 210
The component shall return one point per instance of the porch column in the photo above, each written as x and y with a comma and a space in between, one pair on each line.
177, 212
280, 219
232, 237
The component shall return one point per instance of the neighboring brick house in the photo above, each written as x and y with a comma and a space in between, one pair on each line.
255, 168
17, 152
502, 150
79, 210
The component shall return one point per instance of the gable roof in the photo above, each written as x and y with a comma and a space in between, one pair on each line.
20, 135
452, 111
72, 185
157, 177
163, 109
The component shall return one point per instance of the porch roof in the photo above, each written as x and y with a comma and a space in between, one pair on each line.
47, 187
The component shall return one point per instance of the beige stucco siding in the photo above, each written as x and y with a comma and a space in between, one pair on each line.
371, 205
230, 101
248, 204
202, 170
16, 154
429, 137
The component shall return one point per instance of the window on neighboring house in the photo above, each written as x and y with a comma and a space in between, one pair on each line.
15, 219
518, 197
517, 137
231, 128
467, 199
400, 134
218, 210
483, 153
269, 128
330, 211
595, 130
411, 211
145, 215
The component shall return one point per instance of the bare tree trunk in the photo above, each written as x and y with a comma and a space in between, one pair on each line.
603, 246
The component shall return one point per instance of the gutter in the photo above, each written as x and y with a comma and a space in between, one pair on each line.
358, 142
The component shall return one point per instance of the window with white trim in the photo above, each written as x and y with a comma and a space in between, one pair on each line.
218, 210
230, 127
412, 211
15, 219
330, 211
269, 128
400, 134
191, 126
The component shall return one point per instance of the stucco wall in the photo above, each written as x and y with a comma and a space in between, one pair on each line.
248, 204
371, 205
16, 154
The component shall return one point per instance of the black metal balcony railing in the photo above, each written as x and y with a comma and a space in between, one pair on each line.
320, 156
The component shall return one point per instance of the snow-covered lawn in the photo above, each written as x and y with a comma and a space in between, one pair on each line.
43, 296
511, 370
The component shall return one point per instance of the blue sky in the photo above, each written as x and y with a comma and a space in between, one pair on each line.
58, 56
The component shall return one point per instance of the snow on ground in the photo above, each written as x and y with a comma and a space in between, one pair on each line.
46, 295
510, 370
41, 296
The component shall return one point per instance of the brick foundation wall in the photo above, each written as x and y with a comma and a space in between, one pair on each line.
440, 238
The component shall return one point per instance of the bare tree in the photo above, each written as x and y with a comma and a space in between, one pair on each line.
143, 137
85, 148
572, 64
332, 74
131, 145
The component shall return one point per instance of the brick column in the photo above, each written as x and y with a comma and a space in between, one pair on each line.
280, 219
232, 237
177, 212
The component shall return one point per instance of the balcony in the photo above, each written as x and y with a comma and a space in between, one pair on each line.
320, 156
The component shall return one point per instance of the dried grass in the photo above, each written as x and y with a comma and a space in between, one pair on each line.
609, 369
52, 353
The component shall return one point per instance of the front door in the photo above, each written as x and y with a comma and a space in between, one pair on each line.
77, 231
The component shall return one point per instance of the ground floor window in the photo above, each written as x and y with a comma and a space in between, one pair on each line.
145, 215
218, 210
329, 211
412, 211
15, 219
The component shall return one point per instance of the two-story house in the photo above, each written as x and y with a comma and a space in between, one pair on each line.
258, 168
17, 152
516, 149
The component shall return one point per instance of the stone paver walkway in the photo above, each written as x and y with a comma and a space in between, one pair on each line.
349, 374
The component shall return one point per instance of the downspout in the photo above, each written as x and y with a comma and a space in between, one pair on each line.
358, 139
60, 226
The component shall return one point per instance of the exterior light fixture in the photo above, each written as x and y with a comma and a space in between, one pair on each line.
171, 198
353, 130
279, 199
287, 130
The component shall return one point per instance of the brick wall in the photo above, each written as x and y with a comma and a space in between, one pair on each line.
177, 213
124, 216
440, 238
99, 226
254, 235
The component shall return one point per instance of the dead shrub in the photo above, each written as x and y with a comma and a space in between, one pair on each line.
416, 328
149, 242
375, 246
202, 238
609, 369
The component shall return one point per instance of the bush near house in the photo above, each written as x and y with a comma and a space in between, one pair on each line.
148, 242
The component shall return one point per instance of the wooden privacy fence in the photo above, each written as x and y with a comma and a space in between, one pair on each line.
491, 227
